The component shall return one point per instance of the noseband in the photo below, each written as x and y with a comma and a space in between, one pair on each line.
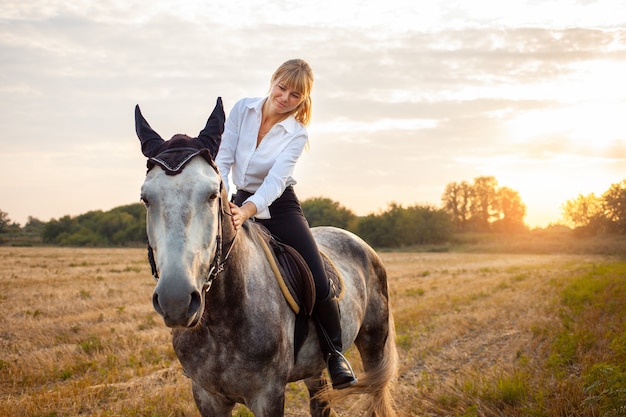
217, 264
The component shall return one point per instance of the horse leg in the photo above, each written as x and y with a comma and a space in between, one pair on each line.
271, 403
211, 406
318, 406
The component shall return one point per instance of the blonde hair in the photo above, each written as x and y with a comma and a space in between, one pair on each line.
297, 75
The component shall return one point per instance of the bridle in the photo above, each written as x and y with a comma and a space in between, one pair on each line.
218, 262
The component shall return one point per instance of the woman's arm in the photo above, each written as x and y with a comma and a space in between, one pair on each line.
275, 182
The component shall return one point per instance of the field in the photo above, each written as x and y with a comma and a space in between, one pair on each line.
478, 334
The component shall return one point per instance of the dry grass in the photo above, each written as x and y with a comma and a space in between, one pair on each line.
79, 336
473, 318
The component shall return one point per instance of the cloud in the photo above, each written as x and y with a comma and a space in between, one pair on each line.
408, 96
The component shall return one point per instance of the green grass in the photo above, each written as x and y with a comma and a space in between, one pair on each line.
578, 365
593, 339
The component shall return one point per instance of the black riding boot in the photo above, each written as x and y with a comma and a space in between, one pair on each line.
326, 313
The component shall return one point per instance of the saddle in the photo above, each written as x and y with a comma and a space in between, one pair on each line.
296, 282
294, 276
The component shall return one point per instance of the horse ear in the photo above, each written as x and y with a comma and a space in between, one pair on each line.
150, 140
211, 135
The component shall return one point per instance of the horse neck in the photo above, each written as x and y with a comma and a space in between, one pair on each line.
237, 264
243, 296
243, 262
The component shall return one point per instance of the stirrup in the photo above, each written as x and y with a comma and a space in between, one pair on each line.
343, 371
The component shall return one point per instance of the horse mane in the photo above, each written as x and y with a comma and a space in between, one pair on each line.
254, 231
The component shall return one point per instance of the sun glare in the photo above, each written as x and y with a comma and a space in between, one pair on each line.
565, 149
591, 111
595, 125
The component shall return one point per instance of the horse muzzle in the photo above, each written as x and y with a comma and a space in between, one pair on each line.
179, 307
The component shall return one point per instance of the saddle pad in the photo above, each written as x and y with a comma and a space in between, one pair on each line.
335, 278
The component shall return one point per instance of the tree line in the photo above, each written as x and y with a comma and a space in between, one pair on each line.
591, 214
395, 227
477, 206
121, 226
126, 225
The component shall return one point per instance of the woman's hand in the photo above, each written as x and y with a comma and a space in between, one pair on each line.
241, 214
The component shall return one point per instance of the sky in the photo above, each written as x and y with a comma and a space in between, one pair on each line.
409, 96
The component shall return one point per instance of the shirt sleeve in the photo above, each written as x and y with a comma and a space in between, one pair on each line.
275, 182
230, 138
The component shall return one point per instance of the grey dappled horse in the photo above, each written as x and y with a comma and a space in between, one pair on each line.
233, 331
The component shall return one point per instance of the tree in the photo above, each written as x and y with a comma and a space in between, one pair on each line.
591, 214
615, 207
374, 231
485, 203
120, 226
34, 226
56, 230
4, 222
482, 206
512, 211
399, 226
321, 211
425, 224
457, 199
585, 211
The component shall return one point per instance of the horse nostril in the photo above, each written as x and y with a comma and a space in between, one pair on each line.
195, 304
156, 305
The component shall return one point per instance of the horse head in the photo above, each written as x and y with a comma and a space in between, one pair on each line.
185, 201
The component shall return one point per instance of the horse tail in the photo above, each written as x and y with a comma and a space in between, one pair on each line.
380, 374
379, 380
374, 385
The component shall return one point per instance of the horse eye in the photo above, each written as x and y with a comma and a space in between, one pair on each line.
213, 196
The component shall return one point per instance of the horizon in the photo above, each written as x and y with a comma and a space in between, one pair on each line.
407, 97
559, 221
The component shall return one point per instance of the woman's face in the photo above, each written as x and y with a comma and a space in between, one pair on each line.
283, 99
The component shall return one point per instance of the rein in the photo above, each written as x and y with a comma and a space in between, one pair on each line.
217, 264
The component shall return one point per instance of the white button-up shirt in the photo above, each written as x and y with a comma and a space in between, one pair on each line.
265, 170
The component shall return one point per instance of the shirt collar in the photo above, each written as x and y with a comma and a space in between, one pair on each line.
289, 124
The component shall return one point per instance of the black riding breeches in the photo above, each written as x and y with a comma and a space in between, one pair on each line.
289, 226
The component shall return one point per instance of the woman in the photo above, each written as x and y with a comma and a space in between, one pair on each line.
261, 143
